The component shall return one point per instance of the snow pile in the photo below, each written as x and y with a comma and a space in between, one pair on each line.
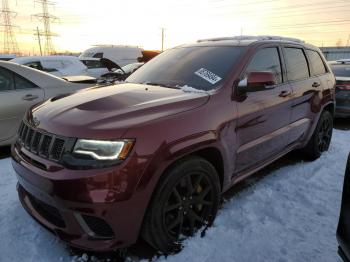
289, 215
189, 89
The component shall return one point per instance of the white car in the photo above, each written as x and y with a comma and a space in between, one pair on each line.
96, 67
56, 65
20, 88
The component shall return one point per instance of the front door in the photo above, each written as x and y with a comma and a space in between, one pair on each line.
16, 96
264, 116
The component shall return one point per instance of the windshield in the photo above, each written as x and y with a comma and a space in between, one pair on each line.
202, 68
341, 70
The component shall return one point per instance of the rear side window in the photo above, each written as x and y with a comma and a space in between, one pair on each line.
266, 59
316, 62
21, 83
296, 64
6, 80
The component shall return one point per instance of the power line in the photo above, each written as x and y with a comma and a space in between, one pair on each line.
10, 42
47, 18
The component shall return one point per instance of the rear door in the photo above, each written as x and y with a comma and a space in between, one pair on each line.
305, 88
264, 116
17, 94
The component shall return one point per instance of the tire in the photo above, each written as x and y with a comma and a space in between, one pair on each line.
321, 138
186, 199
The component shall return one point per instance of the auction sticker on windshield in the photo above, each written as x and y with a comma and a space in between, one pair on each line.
208, 76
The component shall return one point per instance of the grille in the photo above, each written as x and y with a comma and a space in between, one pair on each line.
45, 145
98, 226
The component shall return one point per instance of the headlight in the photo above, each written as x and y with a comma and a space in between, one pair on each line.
90, 154
103, 150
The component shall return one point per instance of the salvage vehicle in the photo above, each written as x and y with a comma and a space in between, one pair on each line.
343, 230
120, 74
55, 65
151, 157
341, 70
20, 88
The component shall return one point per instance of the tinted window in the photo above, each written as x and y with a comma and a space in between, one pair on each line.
91, 64
341, 70
6, 80
266, 59
199, 67
36, 65
21, 83
296, 63
316, 62
98, 55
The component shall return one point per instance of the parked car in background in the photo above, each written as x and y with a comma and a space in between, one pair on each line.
56, 65
6, 57
121, 55
341, 70
97, 67
121, 74
343, 230
151, 157
20, 88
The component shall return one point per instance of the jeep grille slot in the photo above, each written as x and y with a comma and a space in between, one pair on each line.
46, 145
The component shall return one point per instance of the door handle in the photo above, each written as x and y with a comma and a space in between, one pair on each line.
285, 93
29, 97
316, 84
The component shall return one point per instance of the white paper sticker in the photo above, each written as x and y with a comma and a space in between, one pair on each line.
208, 76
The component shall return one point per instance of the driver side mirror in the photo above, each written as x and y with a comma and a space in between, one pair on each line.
257, 81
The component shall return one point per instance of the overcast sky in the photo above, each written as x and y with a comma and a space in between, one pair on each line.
83, 23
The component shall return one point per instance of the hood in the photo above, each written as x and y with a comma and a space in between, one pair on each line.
109, 112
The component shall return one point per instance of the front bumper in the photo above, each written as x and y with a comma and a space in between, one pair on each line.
95, 210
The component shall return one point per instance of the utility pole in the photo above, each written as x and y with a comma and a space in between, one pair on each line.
39, 39
163, 31
47, 18
10, 42
348, 42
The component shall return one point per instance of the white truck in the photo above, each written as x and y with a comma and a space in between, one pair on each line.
121, 55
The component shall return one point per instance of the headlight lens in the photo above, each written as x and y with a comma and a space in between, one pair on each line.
103, 150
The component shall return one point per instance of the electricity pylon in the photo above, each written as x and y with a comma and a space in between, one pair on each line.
10, 42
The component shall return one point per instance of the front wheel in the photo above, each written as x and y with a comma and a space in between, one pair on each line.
321, 137
185, 201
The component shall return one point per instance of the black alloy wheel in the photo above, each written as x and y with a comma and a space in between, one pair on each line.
186, 200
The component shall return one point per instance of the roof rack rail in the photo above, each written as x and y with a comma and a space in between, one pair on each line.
251, 37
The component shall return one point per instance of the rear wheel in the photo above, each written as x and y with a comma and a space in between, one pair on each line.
321, 137
186, 200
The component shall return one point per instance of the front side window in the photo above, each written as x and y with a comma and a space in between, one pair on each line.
316, 62
200, 67
21, 83
266, 59
297, 68
93, 64
6, 80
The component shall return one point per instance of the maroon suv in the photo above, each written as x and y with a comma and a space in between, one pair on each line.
152, 157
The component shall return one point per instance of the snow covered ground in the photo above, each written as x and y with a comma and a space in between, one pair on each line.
290, 214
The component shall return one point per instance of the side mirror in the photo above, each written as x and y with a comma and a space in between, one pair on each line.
257, 81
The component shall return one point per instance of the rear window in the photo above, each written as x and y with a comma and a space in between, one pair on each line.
317, 64
341, 70
199, 67
296, 64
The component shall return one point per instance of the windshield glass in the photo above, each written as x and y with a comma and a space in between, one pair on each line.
199, 67
341, 70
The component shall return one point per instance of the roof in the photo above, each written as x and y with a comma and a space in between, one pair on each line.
247, 40
25, 59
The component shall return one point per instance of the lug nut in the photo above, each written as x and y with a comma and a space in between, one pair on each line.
185, 213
